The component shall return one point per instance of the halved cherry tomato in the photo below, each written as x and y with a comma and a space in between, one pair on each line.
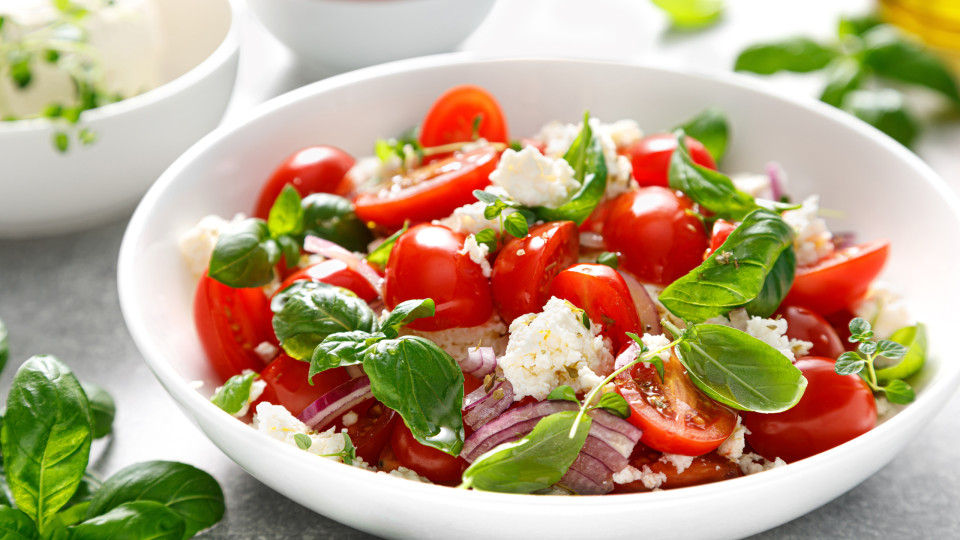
650, 157
315, 169
337, 273
808, 325
370, 432
833, 410
721, 231
470, 383
657, 234
594, 222
452, 117
704, 469
440, 467
603, 294
675, 416
288, 385
426, 262
840, 280
231, 323
432, 191
526, 266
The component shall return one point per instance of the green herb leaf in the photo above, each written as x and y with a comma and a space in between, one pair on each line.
844, 75
885, 110
46, 437
15, 525
487, 237
102, 409
711, 128
899, 392
234, 395
891, 349
303, 441
735, 274
609, 258
20, 71
290, 248
334, 218
244, 255
563, 393
585, 155
856, 26
416, 378
708, 188
307, 312
798, 54
485, 196
891, 54
654, 360
193, 494
286, 214
381, 255
584, 318
535, 462
615, 404
61, 141
133, 520
4, 346
341, 349
859, 330
776, 285
86, 136
404, 313
915, 339
849, 363
691, 13
516, 225
739, 370
867, 348
349, 454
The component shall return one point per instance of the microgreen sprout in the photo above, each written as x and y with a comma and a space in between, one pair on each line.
862, 360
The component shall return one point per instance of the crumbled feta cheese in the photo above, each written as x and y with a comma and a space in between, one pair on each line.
752, 463
468, 219
885, 310
656, 342
521, 252
770, 331
757, 186
532, 179
477, 253
813, 241
407, 474
456, 341
645, 475
552, 348
349, 419
275, 421
197, 243
266, 350
732, 447
680, 462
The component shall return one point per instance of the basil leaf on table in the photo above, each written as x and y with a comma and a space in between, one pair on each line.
891, 54
404, 313
341, 349
735, 274
286, 214
381, 254
46, 437
333, 218
133, 520
776, 285
244, 255
15, 525
235, 393
739, 370
708, 188
102, 409
416, 378
189, 492
711, 128
4, 346
585, 155
305, 313
844, 75
797, 54
914, 338
885, 110
535, 462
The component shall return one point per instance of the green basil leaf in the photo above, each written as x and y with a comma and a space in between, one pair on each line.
711, 128
333, 218
307, 312
616, 404
303, 441
563, 393
381, 254
885, 110
609, 258
244, 255
585, 155
691, 13
891, 349
849, 363
859, 330
102, 409
4, 346
856, 26
535, 462
75, 510
776, 285
739, 370
416, 378
46, 436
15, 525
404, 313
899, 392
286, 214
133, 520
487, 237
235, 393
844, 75
867, 347
735, 274
891, 54
341, 349
798, 54
915, 340
485, 196
193, 494
349, 453
709, 188
516, 225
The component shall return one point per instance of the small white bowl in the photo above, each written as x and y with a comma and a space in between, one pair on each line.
340, 35
44, 192
885, 191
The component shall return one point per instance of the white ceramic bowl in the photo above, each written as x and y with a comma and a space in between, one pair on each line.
44, 192
339, 35
883, 188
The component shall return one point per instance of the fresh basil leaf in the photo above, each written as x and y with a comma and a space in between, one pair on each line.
341, 349
615, 403
609, 258
891, 54
691, 13
381, 254
638, 340
46, 437
915, 339
849, 363
516, 225
776, 285
333, 218
885, 110
891, 349
15, 525
711, 128
485, 196
585, 155
563, 393
290, 248
735, 274
899, 392
404, 313
286, 214
244, 255
235, 393
191, 493
75, 510
102, 409
856, 26
709, 188
859, 330
739, 370
798, 54
4, 346
867, 347
133, 520
307, 312
844, 75
487, 237
349, 453
303, 441
416, 378
535, 462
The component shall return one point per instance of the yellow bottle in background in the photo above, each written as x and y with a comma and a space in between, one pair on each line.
936, 22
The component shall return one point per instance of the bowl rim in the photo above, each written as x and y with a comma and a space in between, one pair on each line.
939, 388
222, 54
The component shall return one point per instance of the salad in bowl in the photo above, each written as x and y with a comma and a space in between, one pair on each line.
585, 309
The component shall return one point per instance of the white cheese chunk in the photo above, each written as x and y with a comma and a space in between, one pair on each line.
885, 309
732, 447
477, 253
197, 243
813, 240
275, 421
680, 462
533, 179
770, 331
456, 341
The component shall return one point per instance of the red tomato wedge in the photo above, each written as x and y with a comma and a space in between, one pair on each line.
840, 280
650, 157
603, 294
704, 469
288, 385
315, 169
440, 467
453, 116
337, 273
808, 325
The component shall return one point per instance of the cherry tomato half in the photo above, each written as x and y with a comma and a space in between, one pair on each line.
650, 157
603, 294
336, 273
369, 429
426, 262
526, 266
453, 116
440, 467
315, 169
704, 469
656, 233
833, 410
231, 323
721, 231
675, 416
288, 385
808, 325
840, 280
432, 191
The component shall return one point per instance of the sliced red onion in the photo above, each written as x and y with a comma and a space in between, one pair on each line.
646, 307
845, 239
509, 426
591, 240
334, 403
481, 406
480, 362
628, 355
603, 452
331, 250
616, 432
775, 173
588, 476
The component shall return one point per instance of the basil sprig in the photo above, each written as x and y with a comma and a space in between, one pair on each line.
306, 312
711, 128
585, 155
709, 188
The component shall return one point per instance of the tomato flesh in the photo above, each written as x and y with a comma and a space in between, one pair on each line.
315, 169
704, 469
337, 273
603, 294
453, 116
370, 432
288, 384
808, 325
721, 231
839, 281
650, 157
438, 466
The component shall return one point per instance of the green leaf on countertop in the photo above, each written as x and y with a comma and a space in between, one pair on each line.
691, 13
709, 188
915, 339
711, 128
244, 255
102, 409
234, 395
585, 155
133, 520
889, 53
286, 214
4, 346
381, 254
334, 218
797, 54
885, 110
306, 312
844, 75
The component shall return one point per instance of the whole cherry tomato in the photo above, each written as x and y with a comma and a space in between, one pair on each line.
426, 262
288, 384
840, 280
454, 118
315, 169
336, 273
440, 467
650, 157
721, 231
603, 294
657, 234
808, 325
